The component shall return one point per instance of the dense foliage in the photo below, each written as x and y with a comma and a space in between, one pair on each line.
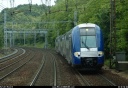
59, 19
22, 18
92, 11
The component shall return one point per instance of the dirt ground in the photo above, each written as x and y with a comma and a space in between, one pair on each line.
123, 74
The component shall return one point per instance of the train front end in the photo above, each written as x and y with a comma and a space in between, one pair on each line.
88, 46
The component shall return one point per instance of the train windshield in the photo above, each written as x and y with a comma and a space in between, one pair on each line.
88, 42
88, 38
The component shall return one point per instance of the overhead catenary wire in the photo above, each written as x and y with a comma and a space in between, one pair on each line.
3, 7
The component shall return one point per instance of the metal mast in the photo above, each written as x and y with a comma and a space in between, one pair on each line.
5, 33
75, 14
112, 31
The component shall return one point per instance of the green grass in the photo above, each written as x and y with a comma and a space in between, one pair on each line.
1, 55
38, 45
107, 63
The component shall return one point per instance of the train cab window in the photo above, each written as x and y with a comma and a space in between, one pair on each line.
88, 37
88, 41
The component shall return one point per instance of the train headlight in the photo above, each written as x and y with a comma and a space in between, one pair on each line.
100, 53
77, 54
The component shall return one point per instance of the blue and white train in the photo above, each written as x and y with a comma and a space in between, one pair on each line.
82, 46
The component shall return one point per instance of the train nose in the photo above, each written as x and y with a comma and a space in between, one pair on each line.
89, 62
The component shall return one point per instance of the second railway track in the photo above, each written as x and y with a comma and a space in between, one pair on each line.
47, 70
9, 69
18, 52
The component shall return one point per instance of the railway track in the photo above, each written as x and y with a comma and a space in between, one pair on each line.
38, 73
48, 78
94, 79
91, 78
107, 80
13, 50
17, 52
44, 67
83, 81
65, 75
25, 72
11, 68
7, 63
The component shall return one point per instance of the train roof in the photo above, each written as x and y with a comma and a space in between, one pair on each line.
87, 25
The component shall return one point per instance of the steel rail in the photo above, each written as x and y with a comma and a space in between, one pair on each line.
7, 57
40, 69
107, 79
38, 72
9, 54
79, 76
55, 70
86, 83
13, 62
16, 68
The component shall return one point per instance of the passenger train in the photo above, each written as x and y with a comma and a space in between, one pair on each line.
82, 46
